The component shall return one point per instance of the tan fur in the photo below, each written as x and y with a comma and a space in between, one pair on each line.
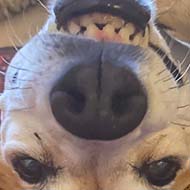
11, 7
182, 181
8, 179
176, 15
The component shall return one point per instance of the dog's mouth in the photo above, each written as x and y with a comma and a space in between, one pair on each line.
109, 22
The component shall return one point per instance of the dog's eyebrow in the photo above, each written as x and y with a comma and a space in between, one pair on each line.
169, 64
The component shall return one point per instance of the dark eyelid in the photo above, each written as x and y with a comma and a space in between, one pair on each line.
149, 160
172, 158
46, 162
159, 172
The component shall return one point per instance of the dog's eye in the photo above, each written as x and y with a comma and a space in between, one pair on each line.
161, 172
29, 169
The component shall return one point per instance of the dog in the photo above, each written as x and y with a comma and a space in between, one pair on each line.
96, 101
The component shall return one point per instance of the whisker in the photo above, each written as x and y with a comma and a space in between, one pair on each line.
187, 82
24, 21
173, 87
159, 73
20, 109
185, 72
13, 44
184, 59
14, 32
164, 79
182, 107
170, 42
166, 64
168, 79
10, 65
37, 29
169, 63
43, 6
18, 88
2, 73
26, 80
169, 89
17, 50
167, 8
180, 124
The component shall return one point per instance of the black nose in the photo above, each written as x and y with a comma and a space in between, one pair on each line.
101, 101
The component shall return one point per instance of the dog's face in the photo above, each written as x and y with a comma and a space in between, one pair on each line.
95, 101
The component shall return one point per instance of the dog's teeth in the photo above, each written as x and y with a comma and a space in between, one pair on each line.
137, 39
85, 20
73, 28
99, 18
91, 31
76, 20
145, 39
117, 22
130, 27
124, 33
52, 27
106, 27
108, 18
109, 31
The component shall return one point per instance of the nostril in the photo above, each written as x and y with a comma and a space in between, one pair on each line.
120, 103
73, 101
129, 107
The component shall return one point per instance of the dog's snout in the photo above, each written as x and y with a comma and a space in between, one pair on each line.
100, 101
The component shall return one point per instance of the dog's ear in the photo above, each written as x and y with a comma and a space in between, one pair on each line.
174, 16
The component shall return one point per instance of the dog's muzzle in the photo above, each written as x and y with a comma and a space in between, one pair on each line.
100, 96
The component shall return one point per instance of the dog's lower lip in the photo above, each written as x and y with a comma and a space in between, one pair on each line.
140, 17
